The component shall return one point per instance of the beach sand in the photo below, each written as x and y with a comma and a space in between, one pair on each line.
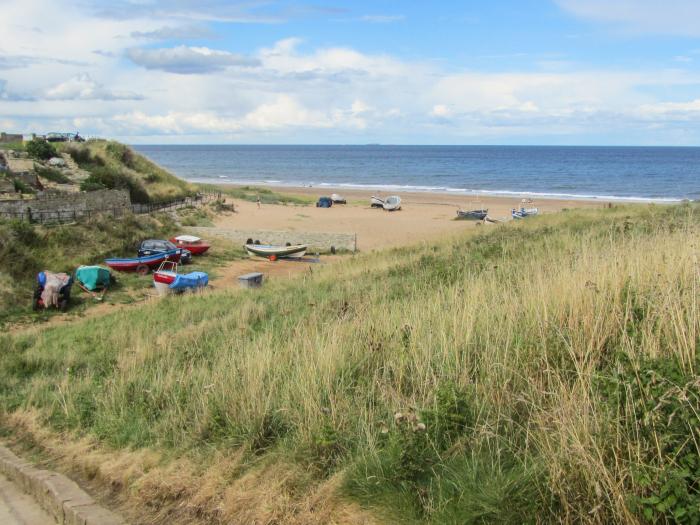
423, 217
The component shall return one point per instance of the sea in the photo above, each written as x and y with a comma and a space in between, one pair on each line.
658, 174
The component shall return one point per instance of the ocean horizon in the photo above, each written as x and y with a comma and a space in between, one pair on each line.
623, 173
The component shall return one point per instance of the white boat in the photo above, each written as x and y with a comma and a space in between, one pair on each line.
376, 202
392, 203
523, 212
338, 199
269, 251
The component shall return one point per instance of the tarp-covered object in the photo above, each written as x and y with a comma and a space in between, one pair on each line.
190, 280
50, 287
93, 277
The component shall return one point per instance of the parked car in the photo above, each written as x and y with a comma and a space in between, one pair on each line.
324, 202
154, 246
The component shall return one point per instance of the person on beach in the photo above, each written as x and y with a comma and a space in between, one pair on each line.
258, 201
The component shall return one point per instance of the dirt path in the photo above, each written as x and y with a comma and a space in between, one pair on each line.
18, 508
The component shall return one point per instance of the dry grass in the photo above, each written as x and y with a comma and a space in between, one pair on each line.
278, 406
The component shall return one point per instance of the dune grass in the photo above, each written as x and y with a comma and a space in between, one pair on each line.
536, 372
115, 165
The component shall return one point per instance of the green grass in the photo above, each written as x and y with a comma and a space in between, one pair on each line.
51, 174
115, 165
251, 194
540, 371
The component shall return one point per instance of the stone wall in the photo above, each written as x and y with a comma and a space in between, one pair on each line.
11, 137
62, 208
320, 241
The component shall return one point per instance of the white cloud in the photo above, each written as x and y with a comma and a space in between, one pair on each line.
175, 32
440, 111
188, 60
674, 17
83, 87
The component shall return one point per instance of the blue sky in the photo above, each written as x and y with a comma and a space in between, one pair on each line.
213, 71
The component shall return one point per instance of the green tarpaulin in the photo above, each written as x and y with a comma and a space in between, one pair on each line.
93, 277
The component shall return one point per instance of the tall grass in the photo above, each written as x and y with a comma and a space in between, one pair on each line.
513, 375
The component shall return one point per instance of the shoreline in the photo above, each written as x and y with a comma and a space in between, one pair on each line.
436, 190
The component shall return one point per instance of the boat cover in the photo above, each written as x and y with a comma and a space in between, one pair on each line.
190, 280
187, 238
52, 284
93, 277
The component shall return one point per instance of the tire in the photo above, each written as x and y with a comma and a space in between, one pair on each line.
143, 269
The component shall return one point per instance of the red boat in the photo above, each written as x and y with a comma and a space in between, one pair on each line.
143, 265
191, 243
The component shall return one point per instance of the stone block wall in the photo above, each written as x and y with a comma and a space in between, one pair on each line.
65, 207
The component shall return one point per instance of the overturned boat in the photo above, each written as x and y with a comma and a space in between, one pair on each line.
269, 251
392, 203
472, 215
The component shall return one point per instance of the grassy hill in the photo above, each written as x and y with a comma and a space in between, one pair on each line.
544, 371
112, 164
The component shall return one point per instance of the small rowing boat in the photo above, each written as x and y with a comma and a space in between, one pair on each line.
392, 203
189, 242
523, 212
269, 251
376, 202
166, 279
338, 199
472, 215
142, 265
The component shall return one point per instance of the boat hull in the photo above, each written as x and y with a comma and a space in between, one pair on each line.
280, 252
472, 215
376, 202
393, 203
149, 262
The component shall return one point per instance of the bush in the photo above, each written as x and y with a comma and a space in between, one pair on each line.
51, 174
21, 187
664, 399
104, 177
40, 149
82, 156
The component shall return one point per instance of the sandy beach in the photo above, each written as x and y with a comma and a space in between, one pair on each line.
424, 216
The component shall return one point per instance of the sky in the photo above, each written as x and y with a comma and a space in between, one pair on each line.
560, 72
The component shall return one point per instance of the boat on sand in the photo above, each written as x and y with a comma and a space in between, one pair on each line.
392, 203
472, 215
269, 251
376, 202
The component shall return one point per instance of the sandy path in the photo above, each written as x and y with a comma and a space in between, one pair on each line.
424, 216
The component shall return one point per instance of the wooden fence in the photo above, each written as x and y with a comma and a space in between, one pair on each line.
64, 216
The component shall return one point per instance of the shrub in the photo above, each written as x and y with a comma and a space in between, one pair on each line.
664, 401
51, 174
40, 149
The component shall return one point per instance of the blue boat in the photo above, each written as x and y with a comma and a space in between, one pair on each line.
190, 280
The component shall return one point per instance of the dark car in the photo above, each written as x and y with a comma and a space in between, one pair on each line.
152, 246
324, 202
